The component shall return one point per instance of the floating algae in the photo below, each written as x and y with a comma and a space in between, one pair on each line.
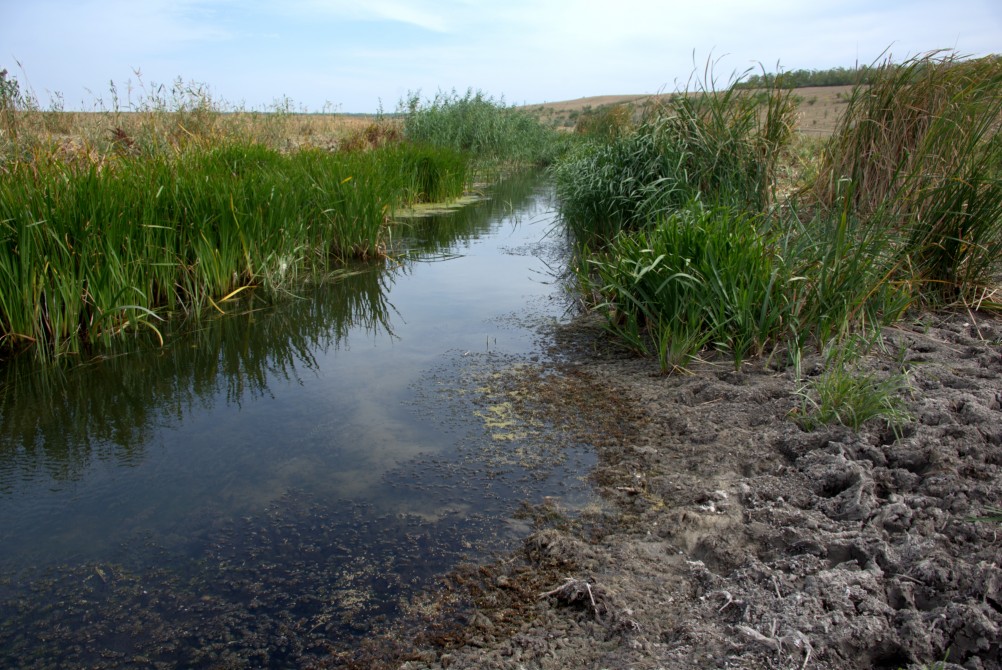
425, 209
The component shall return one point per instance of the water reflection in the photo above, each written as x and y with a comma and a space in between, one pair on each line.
271, 482
59, 418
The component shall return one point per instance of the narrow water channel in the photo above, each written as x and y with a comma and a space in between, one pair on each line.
274, 481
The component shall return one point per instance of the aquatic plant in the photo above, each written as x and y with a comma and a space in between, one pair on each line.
702, 275
905, 206
918, 150
723, 278
718, 144
89, 250
486, 128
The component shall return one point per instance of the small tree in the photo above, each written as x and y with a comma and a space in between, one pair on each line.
10, 101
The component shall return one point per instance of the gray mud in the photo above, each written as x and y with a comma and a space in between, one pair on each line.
728, 537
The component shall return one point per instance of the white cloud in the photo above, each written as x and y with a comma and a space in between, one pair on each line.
526, 50
427, 15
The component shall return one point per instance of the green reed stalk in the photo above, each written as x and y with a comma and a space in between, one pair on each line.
720, 145
88, 251
919, 150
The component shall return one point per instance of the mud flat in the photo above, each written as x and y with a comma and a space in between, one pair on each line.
728, 536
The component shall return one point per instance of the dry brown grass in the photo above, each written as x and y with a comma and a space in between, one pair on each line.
103, 130
819, 110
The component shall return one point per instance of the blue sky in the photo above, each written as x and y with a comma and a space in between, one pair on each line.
353, 56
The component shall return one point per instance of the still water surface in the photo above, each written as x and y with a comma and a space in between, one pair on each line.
273, 481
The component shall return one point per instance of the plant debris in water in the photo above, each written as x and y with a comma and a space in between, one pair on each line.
280, 590
729, 536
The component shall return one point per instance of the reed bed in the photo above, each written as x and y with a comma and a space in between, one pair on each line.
721, 145
498, 136
686, 248
178, 211
168, 201
918, 151
93, 248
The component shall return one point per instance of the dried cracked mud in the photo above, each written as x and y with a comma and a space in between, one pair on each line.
730, 537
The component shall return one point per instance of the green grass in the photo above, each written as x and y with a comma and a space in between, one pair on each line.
850, 395
88, 251
175, 203
686, 247
720, 145
851, 399
994, 515
494, 134
700, 276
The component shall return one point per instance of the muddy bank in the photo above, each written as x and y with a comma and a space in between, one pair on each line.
729, 536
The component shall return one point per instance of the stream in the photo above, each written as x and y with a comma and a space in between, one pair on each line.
277, 480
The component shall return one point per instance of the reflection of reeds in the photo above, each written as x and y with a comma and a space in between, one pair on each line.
59, 417
439, 233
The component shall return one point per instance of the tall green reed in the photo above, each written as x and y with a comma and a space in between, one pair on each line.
493, 133
88, 251
721, 145
844, 276
744, 284
919, 150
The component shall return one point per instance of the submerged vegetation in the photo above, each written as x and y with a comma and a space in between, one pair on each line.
178, 205
688, 242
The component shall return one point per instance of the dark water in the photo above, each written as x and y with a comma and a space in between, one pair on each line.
273, 482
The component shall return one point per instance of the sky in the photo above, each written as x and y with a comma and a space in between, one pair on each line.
367, 55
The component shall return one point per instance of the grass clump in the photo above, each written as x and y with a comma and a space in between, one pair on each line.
718, 145
608, 187
846, 393
852, 398
702, 275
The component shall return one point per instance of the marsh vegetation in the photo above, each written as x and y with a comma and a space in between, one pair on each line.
177, 204
695, 236
706, 232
